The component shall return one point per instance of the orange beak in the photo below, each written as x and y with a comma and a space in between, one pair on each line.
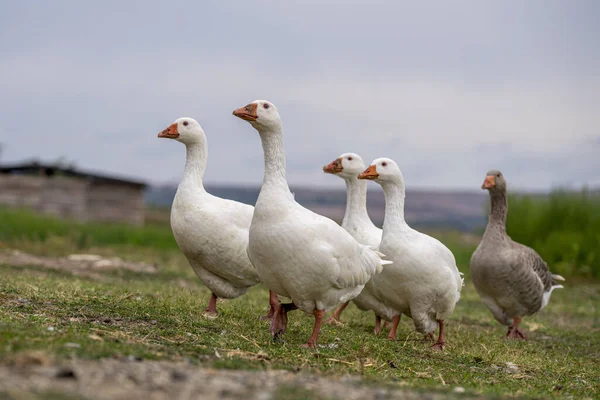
369, 173
334, 167
247, 113
170, 132
490, 182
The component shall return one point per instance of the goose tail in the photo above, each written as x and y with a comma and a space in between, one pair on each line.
381, 256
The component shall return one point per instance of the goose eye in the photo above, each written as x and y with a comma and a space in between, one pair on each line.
265, 106
384, 164
349, 158
498, 175
185, 123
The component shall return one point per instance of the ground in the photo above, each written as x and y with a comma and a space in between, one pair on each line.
132, 327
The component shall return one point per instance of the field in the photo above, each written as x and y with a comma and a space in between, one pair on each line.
563, 227
97, 330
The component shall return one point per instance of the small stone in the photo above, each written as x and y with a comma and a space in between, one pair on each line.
133, 378
66, 373
104, 264
72, 345
458, 389
153, 322
84, 257
50, 329
263, 395
179, 376
512, 367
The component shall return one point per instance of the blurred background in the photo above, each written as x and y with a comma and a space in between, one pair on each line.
447, 89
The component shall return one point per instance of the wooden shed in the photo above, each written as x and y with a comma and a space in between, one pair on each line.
70, 193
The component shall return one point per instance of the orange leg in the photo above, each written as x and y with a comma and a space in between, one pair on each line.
212, 305
441, 343
393, 331
514, 332
313, 339
377, 329
335, 318
279, 321
273, 303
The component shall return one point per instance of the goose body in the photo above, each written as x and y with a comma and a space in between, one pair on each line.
210, 231
357, 222
316, 264
296, 252
423, 282
512, 279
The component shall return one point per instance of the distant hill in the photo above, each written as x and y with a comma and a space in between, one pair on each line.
460, 210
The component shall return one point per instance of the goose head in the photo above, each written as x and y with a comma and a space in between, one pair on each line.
494, 181
346, 166
261, 114
383, 170
185, 130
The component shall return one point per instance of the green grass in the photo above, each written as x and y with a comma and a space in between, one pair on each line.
153, 318
159, 316
563, 227
26, 226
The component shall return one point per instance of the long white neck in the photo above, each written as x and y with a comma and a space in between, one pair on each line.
274, 153
195, 165
356, 203
394, 206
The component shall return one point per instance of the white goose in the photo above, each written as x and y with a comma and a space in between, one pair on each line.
357, 222
423, 282
211, 232
297, 253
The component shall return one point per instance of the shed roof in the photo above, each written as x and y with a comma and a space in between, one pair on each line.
49, 170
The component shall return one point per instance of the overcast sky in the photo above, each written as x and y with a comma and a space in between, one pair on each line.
449, 89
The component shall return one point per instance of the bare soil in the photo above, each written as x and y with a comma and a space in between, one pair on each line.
33, 374
89, 265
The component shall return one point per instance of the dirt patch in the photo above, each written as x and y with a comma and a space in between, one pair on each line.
89, 265
130, 378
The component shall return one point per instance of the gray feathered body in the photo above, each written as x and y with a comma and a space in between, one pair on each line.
511, 279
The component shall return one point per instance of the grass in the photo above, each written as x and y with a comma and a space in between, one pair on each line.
563, 227
158, 316
26, 226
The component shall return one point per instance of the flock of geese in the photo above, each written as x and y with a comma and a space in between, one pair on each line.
319, 265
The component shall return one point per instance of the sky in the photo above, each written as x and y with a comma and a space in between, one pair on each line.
448, 89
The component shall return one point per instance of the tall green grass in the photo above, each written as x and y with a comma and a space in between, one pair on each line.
19, 225
563, 227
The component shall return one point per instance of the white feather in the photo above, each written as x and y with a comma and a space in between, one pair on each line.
546, 295
211, 232
423, 282
298, 253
